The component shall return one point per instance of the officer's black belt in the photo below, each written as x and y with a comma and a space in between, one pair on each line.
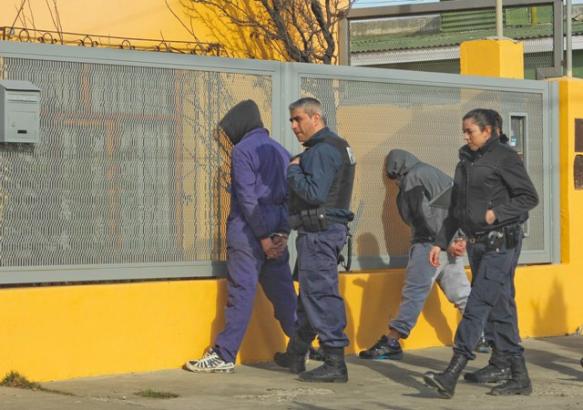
481, 238
496, 238
314, 220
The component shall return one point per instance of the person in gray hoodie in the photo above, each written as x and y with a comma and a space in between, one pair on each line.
420, 183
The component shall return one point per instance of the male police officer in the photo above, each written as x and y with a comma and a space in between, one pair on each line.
320, 184
257, 229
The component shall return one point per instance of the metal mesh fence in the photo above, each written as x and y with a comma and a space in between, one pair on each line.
130, 173
378, 116
130, 168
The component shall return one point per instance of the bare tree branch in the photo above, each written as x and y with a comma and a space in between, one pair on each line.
18, 13
58, 18
298, 30
55, 18
276, 14
190, 29
329, 39
31, 15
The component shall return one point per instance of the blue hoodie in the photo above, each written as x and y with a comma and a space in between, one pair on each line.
258, 176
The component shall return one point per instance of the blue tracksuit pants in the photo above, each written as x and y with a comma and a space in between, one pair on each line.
246, 266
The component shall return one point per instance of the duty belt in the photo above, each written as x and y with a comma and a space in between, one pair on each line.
495, 239
485, 237
313, 220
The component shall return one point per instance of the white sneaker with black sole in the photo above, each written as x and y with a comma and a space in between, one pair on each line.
211, 362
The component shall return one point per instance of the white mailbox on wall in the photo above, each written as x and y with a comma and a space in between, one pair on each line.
19, 111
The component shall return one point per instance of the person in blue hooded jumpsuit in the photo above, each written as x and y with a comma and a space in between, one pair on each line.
257, 229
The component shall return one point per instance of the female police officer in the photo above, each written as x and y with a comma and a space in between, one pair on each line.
491, 197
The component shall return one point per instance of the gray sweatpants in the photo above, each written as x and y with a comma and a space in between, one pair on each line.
419, 279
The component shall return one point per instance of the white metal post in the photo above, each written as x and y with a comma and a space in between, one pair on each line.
499, 20
569, 34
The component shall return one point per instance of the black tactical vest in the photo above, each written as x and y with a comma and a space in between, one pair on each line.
340, 192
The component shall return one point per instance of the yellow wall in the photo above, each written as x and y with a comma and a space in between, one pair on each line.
145, 19
123, 18
53, 333
69, 331
133, 19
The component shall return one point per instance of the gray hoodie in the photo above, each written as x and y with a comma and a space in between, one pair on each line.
419, 183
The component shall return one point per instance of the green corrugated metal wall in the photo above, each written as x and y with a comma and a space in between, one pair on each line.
467, 20
486, 19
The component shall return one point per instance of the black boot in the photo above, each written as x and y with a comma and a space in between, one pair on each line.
332, 371
294, 358
519, 383
497, 370
444, 383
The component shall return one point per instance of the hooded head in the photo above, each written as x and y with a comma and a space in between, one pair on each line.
399, 162
241, 119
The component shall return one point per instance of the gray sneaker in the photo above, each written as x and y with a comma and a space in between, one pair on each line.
211, 362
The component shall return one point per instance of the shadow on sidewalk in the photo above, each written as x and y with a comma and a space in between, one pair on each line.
401, 376
407, 377
364, 405
574, 344
552, 361
306, 406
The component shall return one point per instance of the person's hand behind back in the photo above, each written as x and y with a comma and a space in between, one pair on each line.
274, 246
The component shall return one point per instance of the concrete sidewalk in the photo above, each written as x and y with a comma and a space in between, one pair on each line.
553, 364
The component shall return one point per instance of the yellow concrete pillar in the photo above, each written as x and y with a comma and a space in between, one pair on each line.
492, 58
571, 109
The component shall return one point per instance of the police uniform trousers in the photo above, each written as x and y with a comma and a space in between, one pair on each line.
321, 309
491, 305
489, 329
247, 265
